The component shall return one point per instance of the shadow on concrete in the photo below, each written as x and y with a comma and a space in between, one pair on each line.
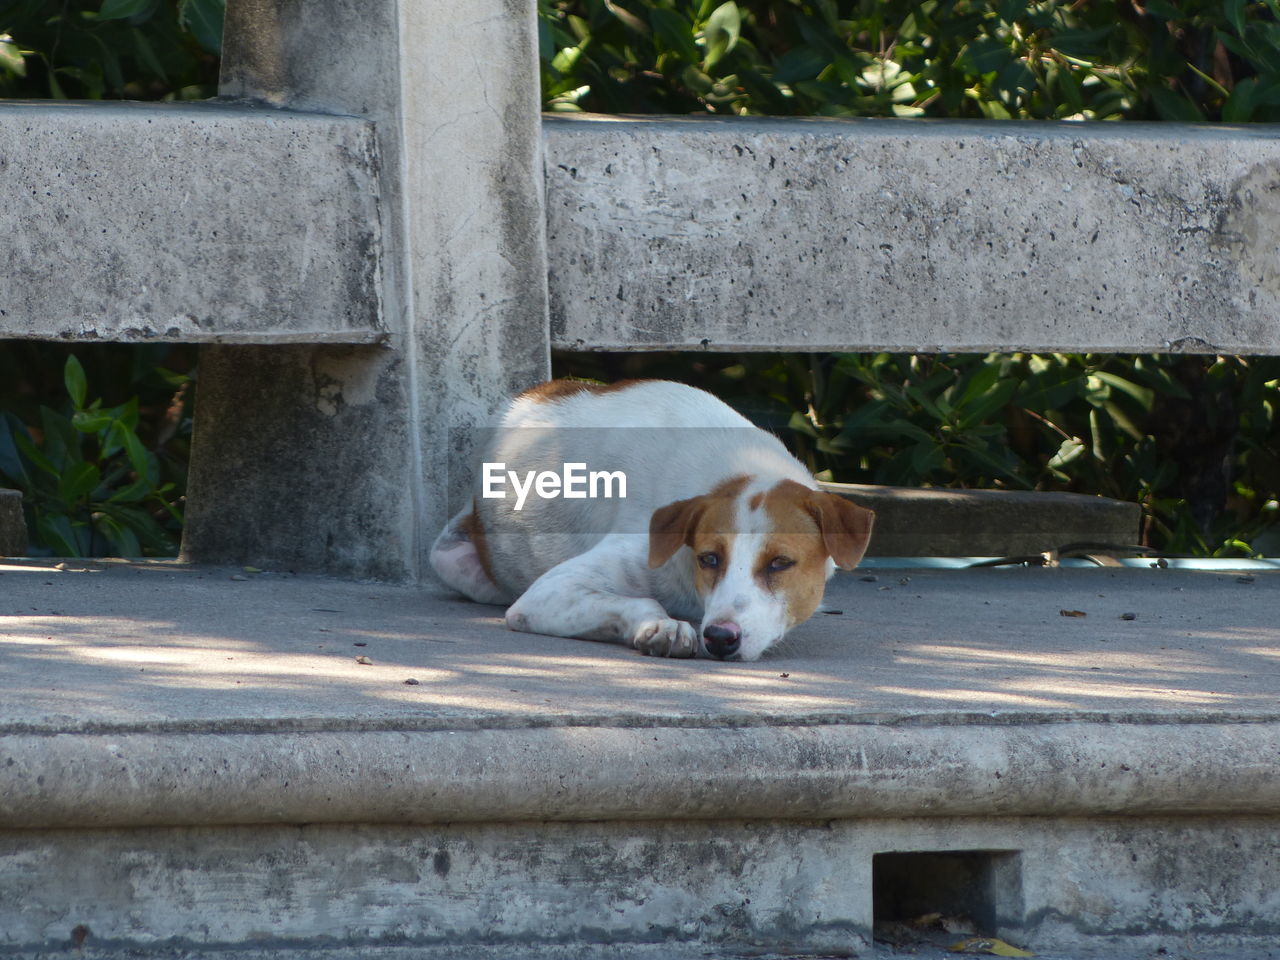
117, 643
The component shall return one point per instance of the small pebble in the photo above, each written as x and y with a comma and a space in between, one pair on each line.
365, 660
412, 682
1128, 616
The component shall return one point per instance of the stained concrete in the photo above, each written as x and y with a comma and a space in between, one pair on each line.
195, 760
452, 95
13, 526
188, 222
939, 522
810, 234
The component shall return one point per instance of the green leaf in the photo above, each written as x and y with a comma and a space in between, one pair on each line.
1143, 395
123, 540
997, 398
62, 442
59, 534
626, 17
203, 20
1234, 10
986, 55
35, 455
1011, 10
1172, 106
926, 403
151, 535
147, 56
721, 32
78, 481
1238, 107
87, 421
139, 457
925, 458
799, 63
906, 428
119, 9
1087, 45
12, 467
1069, 450
74, 379
11, 58
676, 33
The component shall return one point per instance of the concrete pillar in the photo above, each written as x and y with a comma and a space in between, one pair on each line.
340, 458
13, 526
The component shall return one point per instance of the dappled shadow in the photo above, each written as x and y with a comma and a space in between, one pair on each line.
163, 643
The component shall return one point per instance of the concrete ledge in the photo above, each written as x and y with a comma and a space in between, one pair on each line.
886, 767
200, 222
988, 523
213, 762
13, 526
794, 234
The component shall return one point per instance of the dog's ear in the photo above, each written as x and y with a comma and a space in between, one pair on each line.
671, 527
845, 526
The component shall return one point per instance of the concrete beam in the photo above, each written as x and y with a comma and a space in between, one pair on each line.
758, 234
989, 523
198, 223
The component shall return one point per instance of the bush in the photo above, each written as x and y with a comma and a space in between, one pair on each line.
1194, 440
119, 49
90, 486
1052, 60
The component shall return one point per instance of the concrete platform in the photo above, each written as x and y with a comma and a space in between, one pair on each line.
196, 760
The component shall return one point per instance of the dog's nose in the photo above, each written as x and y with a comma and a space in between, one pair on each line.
722, 639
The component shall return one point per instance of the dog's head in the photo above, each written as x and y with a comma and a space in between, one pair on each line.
762, 555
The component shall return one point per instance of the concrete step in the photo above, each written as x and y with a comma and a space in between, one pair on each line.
194, 761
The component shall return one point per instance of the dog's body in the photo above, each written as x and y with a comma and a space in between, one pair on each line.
719, 525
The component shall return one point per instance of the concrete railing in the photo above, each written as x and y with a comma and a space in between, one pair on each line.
380, 241
927, 236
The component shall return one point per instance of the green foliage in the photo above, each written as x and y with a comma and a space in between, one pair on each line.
1194, 440
95, 49
90, 486
945, 58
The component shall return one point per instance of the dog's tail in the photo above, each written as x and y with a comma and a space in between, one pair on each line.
456, 559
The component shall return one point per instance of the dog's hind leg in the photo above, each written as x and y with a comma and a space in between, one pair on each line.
456, 560
580, 598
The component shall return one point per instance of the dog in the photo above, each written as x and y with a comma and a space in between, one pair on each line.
716, 525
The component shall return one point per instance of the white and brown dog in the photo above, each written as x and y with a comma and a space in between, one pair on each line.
716, 523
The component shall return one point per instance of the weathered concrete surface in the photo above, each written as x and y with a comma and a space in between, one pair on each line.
952, 693
989, 523
13, 526
782, 234
702, 890
199, 223
166, 732
365, 445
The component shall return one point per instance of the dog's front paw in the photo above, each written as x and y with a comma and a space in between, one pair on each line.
665, 638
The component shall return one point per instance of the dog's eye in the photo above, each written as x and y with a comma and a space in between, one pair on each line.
778, 564
709, 561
